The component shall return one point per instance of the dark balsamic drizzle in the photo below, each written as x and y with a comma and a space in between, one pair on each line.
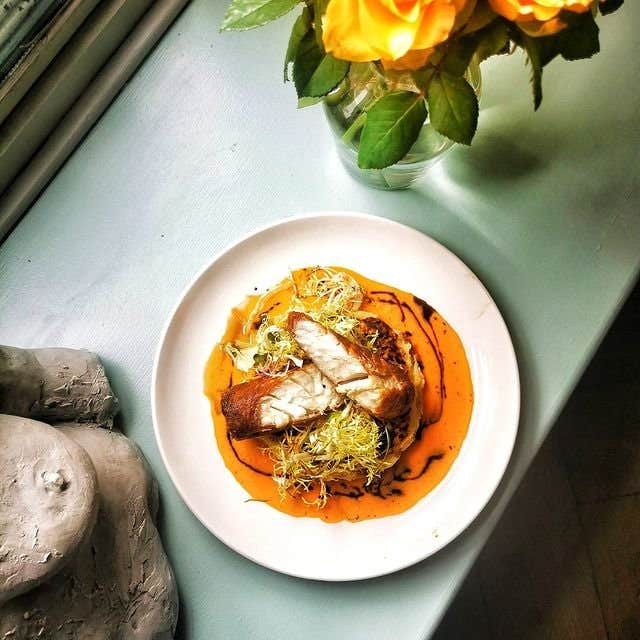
427, 312
241, 461
346, 491
393, 300
427, 309
433, 343
385, 486
402, 476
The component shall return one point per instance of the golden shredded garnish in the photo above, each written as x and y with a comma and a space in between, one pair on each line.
344, 444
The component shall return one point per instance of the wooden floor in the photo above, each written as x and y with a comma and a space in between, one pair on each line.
564, 561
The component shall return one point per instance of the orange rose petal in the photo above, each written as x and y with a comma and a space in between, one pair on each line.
409, 10
580, 7
507, 8
543, 13
387, 33
342, 35
363, 30
437, 21
539, 17
538, 29
410, 61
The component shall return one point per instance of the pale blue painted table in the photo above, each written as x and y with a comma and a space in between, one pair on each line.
204, 144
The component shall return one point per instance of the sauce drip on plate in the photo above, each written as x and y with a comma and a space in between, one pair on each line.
447, 406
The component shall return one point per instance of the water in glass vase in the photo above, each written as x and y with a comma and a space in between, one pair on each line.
345, 111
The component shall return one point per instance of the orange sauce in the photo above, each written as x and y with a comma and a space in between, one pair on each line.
448, 401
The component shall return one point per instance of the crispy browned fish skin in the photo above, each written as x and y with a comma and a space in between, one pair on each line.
380, 387
266, 404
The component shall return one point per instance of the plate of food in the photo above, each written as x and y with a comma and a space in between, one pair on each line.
336, 396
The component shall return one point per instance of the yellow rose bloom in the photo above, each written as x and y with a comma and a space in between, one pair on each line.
394, 31
539, 17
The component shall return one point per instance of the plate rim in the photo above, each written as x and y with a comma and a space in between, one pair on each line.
509, 353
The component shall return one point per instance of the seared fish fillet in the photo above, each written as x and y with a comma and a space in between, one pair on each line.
266, 404
380, 387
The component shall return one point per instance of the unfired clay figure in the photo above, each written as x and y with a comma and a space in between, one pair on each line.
55, 385
48, 502
75, 580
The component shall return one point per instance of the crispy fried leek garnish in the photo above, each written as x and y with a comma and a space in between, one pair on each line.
271, 353
330, 297
331, 290
340, 445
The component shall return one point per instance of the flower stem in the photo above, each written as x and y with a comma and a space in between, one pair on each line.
354, 127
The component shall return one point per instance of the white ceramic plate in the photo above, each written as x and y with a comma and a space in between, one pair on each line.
390, 253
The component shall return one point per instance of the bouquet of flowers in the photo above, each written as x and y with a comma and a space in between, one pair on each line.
435, 41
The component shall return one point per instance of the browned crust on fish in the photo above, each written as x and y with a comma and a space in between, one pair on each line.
404, 428
241, 407
386, 343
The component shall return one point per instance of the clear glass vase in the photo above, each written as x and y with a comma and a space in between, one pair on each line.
344, 108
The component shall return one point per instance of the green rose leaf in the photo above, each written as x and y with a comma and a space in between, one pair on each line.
422, 77
547, 47
580, 39
303, 103
492, 40
248, 14
453, 107
316, 73
534, 53
609, 6
392, 126
486, 42
458, 55
299, 30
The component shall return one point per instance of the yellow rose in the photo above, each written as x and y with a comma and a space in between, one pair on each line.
539, 17
398, 32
